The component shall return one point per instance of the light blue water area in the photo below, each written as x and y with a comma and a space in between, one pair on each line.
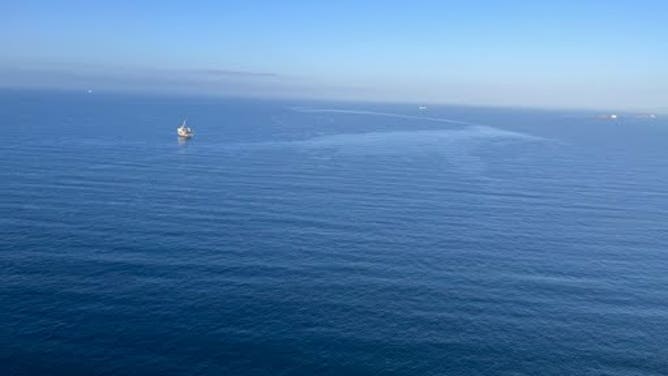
304, 238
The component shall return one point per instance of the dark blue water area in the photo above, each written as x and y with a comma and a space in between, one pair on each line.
314, 238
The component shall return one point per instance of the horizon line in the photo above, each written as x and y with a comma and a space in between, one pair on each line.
324, 98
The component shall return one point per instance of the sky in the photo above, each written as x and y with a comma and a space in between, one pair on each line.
551, 54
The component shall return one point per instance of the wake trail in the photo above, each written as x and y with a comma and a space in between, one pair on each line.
387, 114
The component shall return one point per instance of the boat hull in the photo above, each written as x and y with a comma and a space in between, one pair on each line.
184, 132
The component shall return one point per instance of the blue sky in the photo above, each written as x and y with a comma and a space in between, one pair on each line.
581, 54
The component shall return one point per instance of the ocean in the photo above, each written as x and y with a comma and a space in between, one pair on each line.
314, 238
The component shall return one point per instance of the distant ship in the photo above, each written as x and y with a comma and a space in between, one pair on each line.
608, 117
184, 131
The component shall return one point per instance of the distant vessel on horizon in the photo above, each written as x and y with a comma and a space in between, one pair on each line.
184, 131
608, 117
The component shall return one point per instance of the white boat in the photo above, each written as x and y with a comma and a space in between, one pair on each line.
184, 131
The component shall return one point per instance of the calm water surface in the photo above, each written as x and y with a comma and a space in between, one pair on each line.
328, 239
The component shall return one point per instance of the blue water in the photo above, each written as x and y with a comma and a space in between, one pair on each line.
312, 238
